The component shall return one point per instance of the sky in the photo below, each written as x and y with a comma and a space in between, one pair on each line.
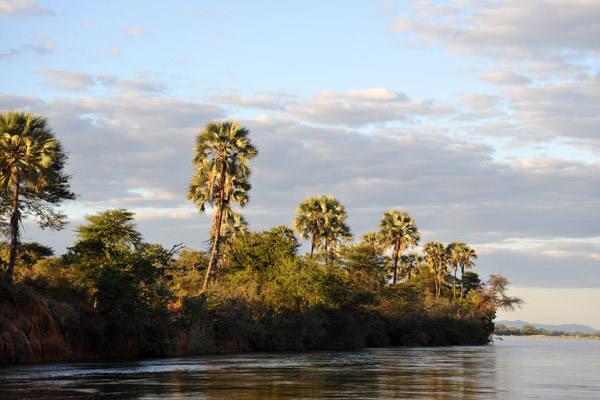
479, 118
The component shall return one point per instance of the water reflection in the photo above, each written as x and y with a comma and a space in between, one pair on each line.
504, 370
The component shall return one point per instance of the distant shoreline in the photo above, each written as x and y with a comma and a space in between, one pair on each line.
551, 336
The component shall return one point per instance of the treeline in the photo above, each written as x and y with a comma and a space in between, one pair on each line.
529, 330
249, 290
268, 296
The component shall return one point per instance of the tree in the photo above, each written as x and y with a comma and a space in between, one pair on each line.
222, 153
437, 258
466, 260
111, 228
410, 264
322, 218
31, 176
397, 230
455, 254
234, 224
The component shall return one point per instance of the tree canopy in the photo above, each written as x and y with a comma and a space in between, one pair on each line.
221, 157
32, 177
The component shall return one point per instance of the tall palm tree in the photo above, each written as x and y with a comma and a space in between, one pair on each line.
397, 230
410, 264
322, 218
455, 254
31, 174
437, 258
468, 256
222, 153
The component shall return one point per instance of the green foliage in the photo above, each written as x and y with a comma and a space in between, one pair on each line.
221, 157
322, 218
365, 265
111, 229
32, 180
397, 230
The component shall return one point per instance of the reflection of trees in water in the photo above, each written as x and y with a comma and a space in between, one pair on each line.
434, 373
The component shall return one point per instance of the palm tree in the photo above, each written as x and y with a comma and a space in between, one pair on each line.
31, 175
322, 218
410, 264
397, 230
233, 226
437, 258
468, 256
455, 252
222, 153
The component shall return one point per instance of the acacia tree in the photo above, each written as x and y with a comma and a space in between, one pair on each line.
31, 176
322, 218
221, 156
397, 230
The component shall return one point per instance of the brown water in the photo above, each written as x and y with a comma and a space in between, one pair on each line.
514, 368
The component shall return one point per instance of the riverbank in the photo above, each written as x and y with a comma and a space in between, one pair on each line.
38, 326
576, 336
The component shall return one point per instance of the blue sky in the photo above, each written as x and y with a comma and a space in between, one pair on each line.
478, 117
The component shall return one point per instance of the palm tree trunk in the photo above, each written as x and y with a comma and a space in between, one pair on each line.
462, 282
395, 268
214, 254
454, 286
14, 234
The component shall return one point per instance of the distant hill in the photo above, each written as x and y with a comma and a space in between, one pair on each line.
571, 328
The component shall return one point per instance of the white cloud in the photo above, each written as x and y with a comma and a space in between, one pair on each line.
67, 80
506, 78
43, 46
134, 31
361, 107
508, 28
23, 7
134, 84
115, 50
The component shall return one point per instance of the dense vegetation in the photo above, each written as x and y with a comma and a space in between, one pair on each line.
530, 330
254, 290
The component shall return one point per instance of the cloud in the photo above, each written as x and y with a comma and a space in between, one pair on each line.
9, 55
134, 31
135, 84
453, 187
30, 8
270, 101
67, 80
361, 107
508, 28
115, 50
506, 78
43, 46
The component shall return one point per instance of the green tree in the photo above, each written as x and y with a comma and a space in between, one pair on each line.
111, 228
31, 176
437, 259
455, 253
322, 218
364, 264
410, 264
222, 154
467, 258
397, 230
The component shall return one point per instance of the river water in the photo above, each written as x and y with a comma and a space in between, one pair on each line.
512, 368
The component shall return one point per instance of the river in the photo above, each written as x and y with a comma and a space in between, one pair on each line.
512, 368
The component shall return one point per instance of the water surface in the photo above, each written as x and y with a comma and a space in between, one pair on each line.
515, 367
